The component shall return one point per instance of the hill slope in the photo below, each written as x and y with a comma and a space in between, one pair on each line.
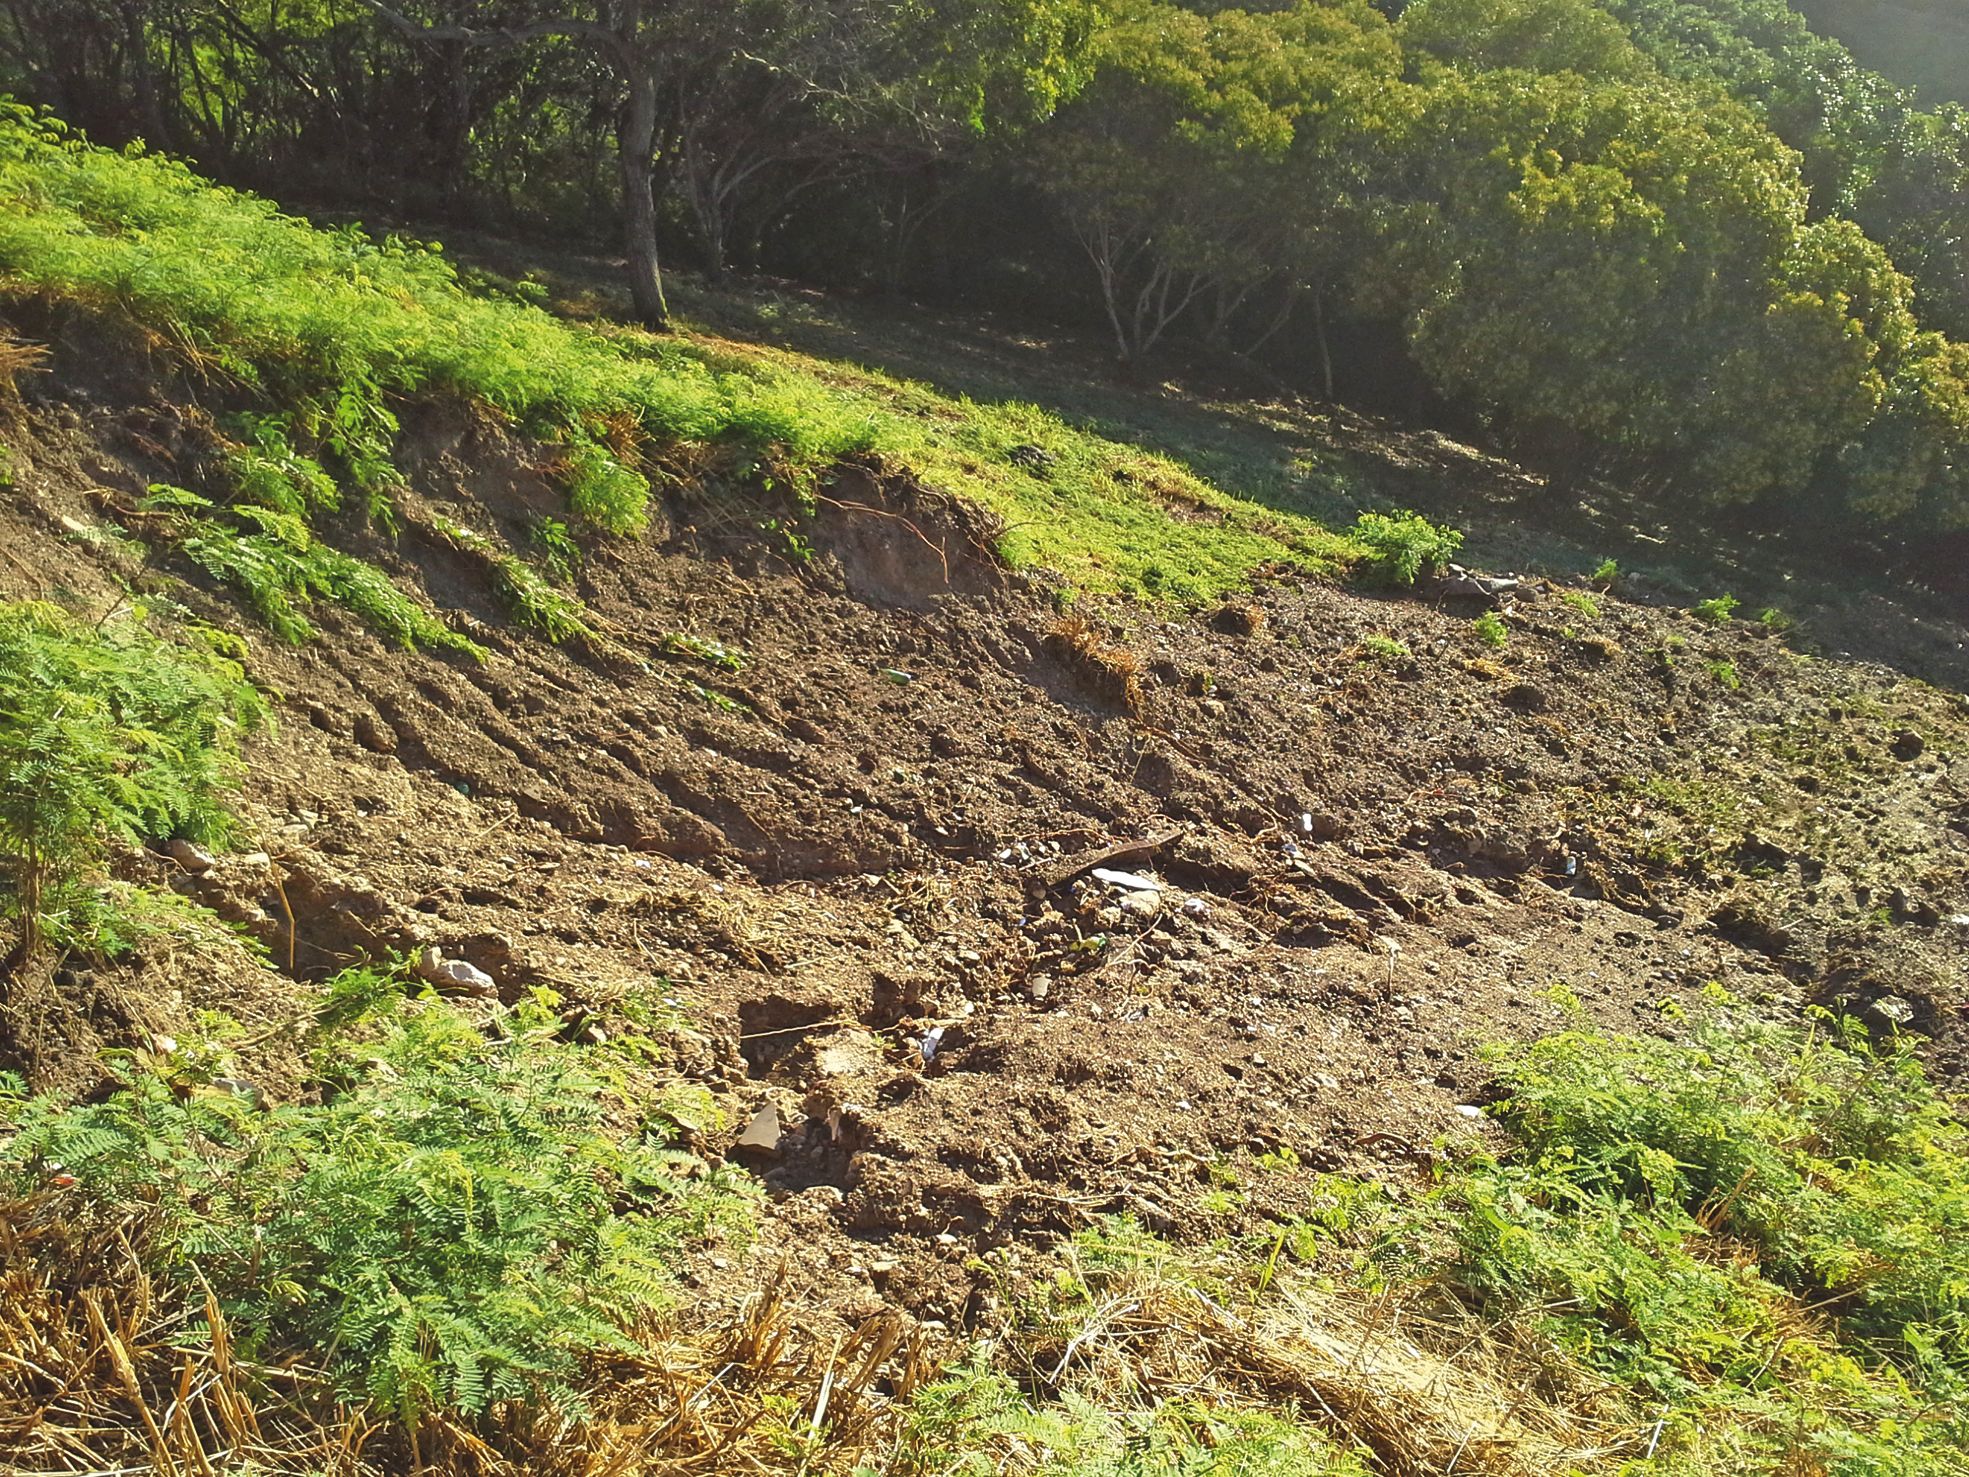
794, 802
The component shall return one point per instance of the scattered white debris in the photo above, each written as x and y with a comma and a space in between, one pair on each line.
1126, 881
1195, 907
932, 1040
1469, 1110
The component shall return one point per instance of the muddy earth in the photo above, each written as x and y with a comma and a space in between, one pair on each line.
1016, 912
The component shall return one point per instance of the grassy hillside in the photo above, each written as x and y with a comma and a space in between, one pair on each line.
327, 331
476, 1232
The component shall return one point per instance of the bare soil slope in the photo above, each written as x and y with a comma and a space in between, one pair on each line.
883, 827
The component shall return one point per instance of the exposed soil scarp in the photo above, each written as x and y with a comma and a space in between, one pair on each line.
875, 854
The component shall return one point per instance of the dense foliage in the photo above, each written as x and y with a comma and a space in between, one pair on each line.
458, 1220
1765, 1235
107, 732
1692, 242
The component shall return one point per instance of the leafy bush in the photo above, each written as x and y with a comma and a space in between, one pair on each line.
270, 473
605, 493
1717, 612
1490, 629
1386, 649
1401, 547
458, 1223
558, 551
108, 731
536, 603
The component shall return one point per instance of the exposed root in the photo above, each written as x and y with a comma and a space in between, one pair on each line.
1110, 670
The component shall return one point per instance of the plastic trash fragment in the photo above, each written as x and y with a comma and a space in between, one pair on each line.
1196, 907
928, 1046
1126, 881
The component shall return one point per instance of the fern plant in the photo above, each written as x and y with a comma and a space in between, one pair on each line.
269, 556
107, 731
459, 1224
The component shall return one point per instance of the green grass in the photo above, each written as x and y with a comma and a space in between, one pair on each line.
108, 733
274, 561
1759, 1236
1717, 612
1386, 649
326, 331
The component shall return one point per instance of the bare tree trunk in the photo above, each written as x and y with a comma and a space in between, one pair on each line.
620, 44
636, 146
1319, 337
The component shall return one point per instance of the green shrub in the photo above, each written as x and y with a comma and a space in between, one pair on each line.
1761, 1236
268, 472
1582, 602
108, 732
1401, 547
601, 491
558, 550
457, 1224
1717, 612
1725, 674
1386, 649
536, 603
1490, 629
1606, 573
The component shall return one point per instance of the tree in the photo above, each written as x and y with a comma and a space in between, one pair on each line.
623, 35
1597, 263
1175, 168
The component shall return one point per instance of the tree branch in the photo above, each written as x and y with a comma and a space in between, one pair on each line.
571, 26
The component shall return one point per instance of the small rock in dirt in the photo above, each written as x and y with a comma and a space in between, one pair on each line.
438, 970
1908, 745
193, 858
1141, 904
762, 1132
374, 734
1891, 1010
